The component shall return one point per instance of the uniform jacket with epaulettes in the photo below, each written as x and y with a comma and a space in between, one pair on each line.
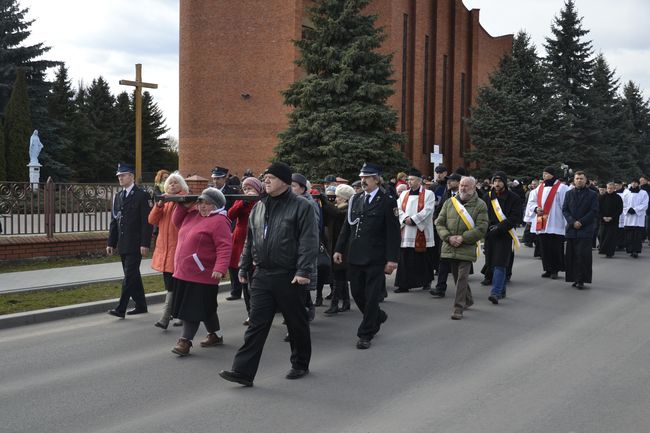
130, 228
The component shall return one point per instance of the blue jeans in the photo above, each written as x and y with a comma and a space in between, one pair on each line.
498, 281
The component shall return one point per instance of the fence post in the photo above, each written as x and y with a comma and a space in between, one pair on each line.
49, 208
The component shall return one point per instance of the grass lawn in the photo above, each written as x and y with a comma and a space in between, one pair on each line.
37, 300
54, 262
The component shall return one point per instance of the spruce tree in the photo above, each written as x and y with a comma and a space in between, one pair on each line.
3, 163
99, 107
155, 154
18, 130
82, 146
570, 66
125, 133
340, 115
513, 124
636, 111
58, 157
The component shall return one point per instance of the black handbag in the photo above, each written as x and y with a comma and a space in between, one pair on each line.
324, 260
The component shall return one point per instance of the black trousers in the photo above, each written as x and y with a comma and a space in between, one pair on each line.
132, 287
552, 247
270, 292
444, 268
578, 260
367, 284
235, 285
609, 238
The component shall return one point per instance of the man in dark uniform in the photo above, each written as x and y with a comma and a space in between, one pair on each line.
370, 240
219, 181
130, 233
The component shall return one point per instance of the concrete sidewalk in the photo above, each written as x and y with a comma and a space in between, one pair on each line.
54, 278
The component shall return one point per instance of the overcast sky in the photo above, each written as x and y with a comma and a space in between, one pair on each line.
108, 37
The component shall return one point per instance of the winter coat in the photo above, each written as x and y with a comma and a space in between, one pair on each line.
163, 255
580, 204
335, 216
610, 205
204, 245
239, 213
449, 223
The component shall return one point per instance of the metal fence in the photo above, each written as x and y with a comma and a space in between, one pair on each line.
49, 208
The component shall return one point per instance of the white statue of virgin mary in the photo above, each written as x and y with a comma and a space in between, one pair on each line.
35, 147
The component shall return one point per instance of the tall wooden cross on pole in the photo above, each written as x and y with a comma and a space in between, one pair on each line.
138, 84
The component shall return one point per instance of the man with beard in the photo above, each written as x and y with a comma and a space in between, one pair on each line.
415, 206
462, 223
580, 210
504, 209
369, 240
611, 207
546, 204
635, 203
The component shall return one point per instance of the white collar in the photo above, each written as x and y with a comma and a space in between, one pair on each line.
127, 191
371, 194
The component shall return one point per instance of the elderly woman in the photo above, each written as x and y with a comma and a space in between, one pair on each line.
163, 256
335, 215
201, 260
239, 213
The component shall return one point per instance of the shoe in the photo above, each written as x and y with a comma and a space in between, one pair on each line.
212, 340
232, 298
116, 313
178, 323
333, 309
400, 290
345, 306
182, 347
296, 373
136, 310
554, 276
328, 297
363, 344
247, 322
574, 284
469, 303
161, 325
486, 282
580, 286
233, 376
286, 338
457, 315
635, 255
318, 302
546, 275
437, 293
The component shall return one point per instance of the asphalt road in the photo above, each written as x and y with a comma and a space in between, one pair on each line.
547, 359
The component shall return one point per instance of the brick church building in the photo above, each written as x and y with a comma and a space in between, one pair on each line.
237, 56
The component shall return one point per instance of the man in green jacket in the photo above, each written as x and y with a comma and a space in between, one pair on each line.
462, 223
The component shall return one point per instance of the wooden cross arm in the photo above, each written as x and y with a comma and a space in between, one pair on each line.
138, 84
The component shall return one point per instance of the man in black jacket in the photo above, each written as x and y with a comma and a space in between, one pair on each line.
504, 210
580, 210
130, 232
370, 241
610, 207
280, 251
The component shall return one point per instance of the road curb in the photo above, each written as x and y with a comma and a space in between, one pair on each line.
66, 312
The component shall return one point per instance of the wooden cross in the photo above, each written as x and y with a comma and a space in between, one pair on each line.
138, 84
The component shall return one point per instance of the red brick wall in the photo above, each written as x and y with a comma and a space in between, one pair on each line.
68, 244
230, 48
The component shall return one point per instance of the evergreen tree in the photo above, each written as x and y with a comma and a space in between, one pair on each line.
100, 109
340, 117
18, 130
636, 111
82, 146
125, 132
57, 151
570, 68
3, 163
513, 125
155, 152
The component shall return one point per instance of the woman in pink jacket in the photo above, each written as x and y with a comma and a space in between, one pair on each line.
201, 259
163, 255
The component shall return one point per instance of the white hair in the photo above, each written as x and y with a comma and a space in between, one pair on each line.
472, 179
179, 178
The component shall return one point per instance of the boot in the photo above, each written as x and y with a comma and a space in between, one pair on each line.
163, 323
343, 293
345, 305
334, 307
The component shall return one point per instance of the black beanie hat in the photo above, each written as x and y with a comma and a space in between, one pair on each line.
550, 170
500, 175
280, 170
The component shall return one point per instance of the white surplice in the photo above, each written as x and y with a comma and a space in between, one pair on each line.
555, 224
422, 219
639, 202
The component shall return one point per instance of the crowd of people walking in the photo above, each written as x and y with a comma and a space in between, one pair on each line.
280, 239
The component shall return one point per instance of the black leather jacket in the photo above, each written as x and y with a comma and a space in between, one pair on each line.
282, 237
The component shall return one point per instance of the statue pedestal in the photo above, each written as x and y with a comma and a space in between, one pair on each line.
34, 174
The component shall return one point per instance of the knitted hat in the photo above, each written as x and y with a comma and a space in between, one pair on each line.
344, 191
550, 170
500, 175
254, 183
280, 170
214, 196
330, 190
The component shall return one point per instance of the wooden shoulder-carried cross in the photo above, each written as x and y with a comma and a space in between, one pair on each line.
138, 84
